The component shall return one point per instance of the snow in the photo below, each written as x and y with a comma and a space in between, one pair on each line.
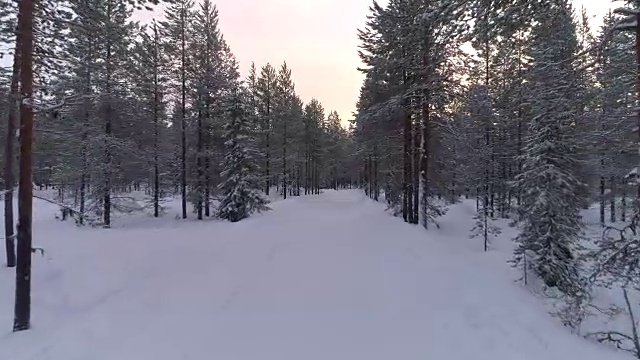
320, 277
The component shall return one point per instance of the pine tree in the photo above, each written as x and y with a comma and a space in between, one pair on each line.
296, 144
265, 89
283, 122
209, 79
313, 120
335, 151
22, 310
612, 129
480, 128
11, 108
149, 72
176, 30
410, 48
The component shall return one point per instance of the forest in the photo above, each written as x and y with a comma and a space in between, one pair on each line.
524, 107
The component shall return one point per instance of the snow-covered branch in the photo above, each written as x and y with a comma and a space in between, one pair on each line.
49, 107
626, 11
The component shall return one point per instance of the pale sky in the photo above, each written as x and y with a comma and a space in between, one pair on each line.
317, 39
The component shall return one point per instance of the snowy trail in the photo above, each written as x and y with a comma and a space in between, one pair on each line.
324, 277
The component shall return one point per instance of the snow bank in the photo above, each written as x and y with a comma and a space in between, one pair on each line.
319, 277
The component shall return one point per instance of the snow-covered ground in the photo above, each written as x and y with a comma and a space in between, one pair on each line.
327, 277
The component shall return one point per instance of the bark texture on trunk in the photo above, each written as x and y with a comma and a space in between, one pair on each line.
22, 311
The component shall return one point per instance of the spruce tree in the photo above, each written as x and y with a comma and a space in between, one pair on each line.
549, 216
241, 184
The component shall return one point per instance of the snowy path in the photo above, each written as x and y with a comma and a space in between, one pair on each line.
330, 277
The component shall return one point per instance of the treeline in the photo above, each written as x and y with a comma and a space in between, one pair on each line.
123, 107
518, 104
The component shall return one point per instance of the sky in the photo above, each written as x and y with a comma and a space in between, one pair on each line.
318, 40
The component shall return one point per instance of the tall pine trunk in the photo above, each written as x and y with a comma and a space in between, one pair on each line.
416, 171
316, 170
424, 143
200, 168
22, 311
108, 161
183, 119
602, 200
267, 129
207, 112
612, 200
9, 179
207, 187
306, 170
284, 159
638, 106
623, 203
156, 167
407, 178
84, 175
376, 186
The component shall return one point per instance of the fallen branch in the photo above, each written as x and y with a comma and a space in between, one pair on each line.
71, 210
38, 250
3, 192
12, 237
620, 250
612, 337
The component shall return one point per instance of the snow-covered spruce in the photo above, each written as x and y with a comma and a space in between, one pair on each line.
549, 215
240, 188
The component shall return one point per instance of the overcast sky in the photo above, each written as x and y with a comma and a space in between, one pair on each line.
317, 39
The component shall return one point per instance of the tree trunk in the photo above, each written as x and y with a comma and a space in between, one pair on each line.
267, 129
200, 168
612, 201
376, 187
424, 143
623, 202
317, 177
504, 205
299, 181
9, 179
602, 200
22, 311
407, 178
84, 176
183, 119
207, 187
638, 107
156, 169
306, 171
284, 159
107, 127
207, 130
416, 160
